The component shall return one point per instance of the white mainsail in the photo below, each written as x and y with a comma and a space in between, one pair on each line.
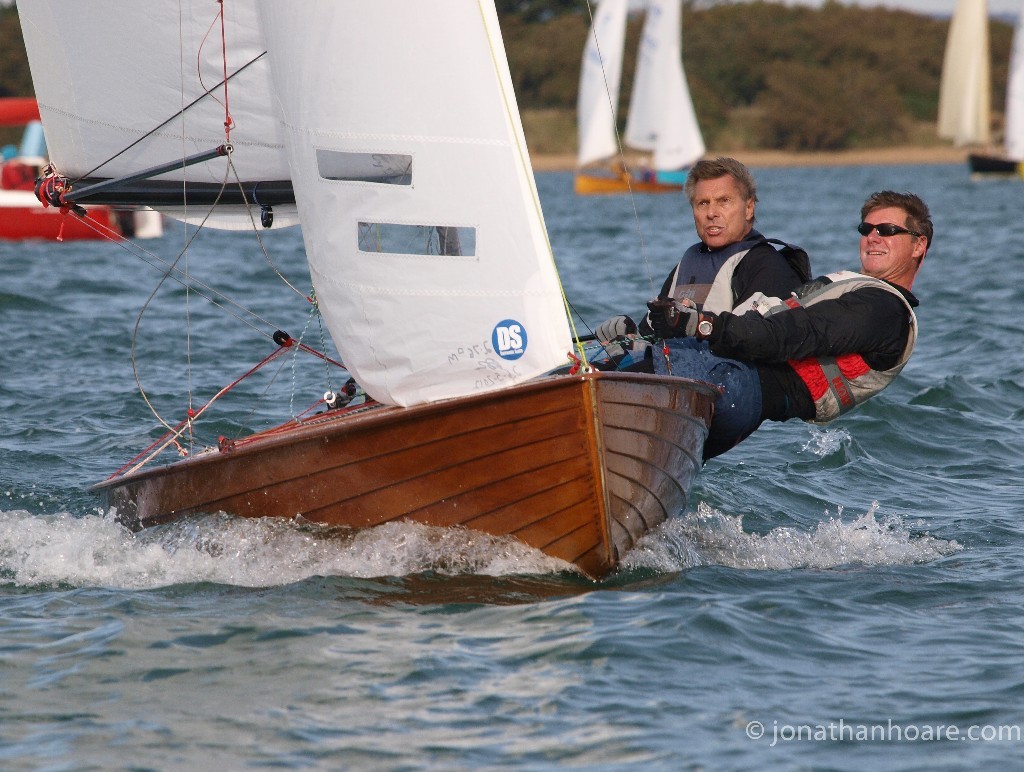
661, 117
420, 215
415, 325
600, 79
964, 101
1013, 131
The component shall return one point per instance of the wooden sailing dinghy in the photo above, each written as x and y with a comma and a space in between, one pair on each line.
401, 153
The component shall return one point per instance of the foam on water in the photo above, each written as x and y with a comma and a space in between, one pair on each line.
96, 551
824, 442
710, 537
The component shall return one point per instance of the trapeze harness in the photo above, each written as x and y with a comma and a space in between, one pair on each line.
837, 384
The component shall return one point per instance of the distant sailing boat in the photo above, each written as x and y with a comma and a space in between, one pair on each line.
23, 216
406, 165
1011, 159
661, 119
964, 100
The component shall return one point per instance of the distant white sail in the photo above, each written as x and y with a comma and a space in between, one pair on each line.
661, 117
1014, 126
964, 101
600, 79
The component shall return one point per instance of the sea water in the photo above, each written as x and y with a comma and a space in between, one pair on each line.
837, 597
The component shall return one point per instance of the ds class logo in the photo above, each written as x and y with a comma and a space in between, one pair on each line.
509, 339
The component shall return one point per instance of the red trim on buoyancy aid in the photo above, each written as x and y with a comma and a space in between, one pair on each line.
817, 382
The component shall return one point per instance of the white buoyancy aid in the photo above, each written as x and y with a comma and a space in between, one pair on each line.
837, 384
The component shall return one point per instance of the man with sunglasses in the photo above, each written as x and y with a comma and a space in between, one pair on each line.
832, 344
731, 261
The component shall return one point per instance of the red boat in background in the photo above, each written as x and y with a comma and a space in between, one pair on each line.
23, 216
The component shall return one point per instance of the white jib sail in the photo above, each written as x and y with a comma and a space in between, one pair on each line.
1014, 125
600, 78
661, 117
110, 72
964, 101
436, 279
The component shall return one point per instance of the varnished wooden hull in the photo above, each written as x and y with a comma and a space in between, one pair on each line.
577, 466
596, 185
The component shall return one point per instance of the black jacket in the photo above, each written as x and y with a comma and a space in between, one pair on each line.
871, 322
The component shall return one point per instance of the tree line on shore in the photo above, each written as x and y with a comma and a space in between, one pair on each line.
763, 75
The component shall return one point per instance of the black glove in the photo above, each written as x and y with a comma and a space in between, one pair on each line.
672, 319
616, 327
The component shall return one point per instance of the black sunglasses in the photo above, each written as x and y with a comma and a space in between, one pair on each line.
884, 229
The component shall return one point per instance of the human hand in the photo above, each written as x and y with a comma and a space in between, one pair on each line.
673, 318
616, 327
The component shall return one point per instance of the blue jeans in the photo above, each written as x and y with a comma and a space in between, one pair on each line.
737, 409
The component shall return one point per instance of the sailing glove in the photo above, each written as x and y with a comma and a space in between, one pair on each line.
672, 318
616, 327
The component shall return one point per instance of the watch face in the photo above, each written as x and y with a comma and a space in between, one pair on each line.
704, 328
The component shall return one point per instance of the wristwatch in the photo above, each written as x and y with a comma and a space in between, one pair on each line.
704, 327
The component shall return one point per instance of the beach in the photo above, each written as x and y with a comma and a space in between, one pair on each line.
939, 154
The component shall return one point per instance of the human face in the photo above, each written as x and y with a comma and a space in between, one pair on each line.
894, 258
721, 214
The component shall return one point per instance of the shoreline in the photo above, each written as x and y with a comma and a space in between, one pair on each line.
862, 157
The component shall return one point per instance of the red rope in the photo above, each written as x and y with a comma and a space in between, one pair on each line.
228, 122
194, 414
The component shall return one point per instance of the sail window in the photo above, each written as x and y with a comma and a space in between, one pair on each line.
401, 239
381, 168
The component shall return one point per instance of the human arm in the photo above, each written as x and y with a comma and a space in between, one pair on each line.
870, 321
